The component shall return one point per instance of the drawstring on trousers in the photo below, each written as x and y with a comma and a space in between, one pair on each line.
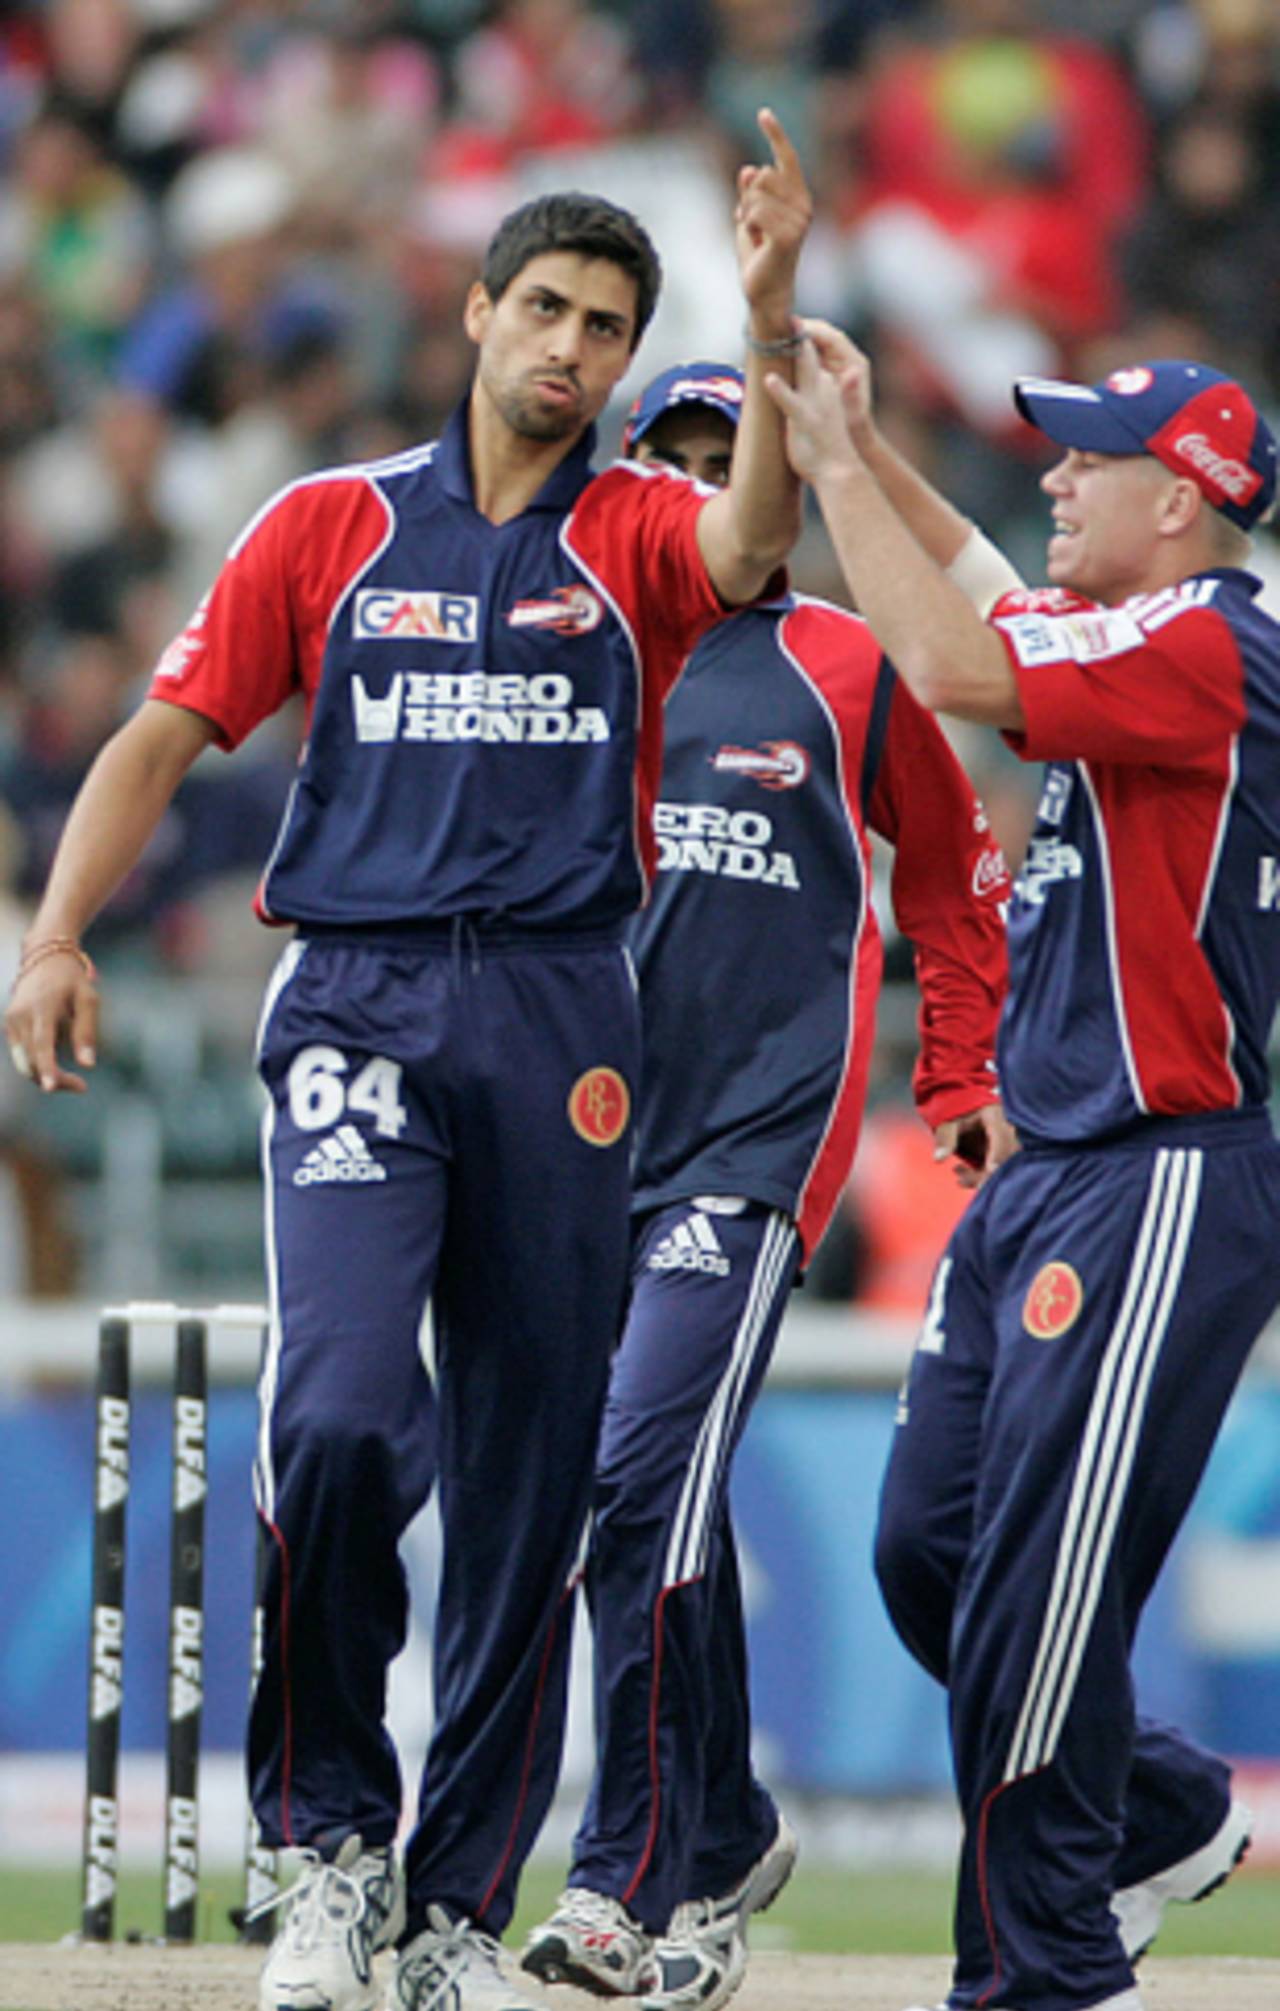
464, 942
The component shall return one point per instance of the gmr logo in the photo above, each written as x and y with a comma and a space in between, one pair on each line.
386, 614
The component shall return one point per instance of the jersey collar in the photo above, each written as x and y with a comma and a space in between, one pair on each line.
562, 487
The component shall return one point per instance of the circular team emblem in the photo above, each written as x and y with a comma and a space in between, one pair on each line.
599, 1106
1131, 382
1052, 1302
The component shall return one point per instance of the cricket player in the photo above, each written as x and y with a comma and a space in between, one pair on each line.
1092, 1314
483, 631
789, 740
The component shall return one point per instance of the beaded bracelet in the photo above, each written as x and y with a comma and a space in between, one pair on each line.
784, 345
56, 946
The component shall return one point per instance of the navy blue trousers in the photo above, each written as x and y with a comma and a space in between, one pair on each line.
1088, 1324
674, 1811
447, 1126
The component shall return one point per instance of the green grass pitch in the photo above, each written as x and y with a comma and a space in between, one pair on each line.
825, 1909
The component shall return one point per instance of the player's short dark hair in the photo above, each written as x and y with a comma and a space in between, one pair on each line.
588, 225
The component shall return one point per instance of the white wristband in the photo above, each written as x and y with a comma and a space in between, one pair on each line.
982, 572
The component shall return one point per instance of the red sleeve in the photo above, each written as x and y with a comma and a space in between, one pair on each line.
1156, 682
950, 886
259, 634
635, 529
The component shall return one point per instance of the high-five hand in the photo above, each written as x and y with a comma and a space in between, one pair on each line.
771, 221
842, 359
818, 441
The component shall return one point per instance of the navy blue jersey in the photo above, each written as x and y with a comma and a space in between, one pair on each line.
1144, 936
484, 701
788, 737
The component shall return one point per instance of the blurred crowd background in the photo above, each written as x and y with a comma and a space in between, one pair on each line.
234, 242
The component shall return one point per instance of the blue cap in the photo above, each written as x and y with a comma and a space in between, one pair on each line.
718, 385
1198, 421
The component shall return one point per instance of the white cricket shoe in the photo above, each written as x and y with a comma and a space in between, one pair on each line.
1139, 1909
338, 1914
591, 1941
767, 1876
452, 1966
702, 1957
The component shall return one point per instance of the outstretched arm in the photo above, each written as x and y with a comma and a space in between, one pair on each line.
923, 620
746, 532
120, 803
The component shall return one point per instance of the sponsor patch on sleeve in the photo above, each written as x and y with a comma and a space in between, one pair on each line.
1083, 637
1035, 639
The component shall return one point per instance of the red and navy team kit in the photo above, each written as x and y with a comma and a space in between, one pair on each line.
451, 1048
789, 739
1094, 1309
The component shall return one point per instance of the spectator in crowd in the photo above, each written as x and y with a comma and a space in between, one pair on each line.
1203, 253
90, 47
997, 161
30, 396
359, 92
82, 237
203, 344
1220, 52
539, 77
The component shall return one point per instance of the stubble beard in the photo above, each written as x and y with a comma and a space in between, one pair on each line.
531, 420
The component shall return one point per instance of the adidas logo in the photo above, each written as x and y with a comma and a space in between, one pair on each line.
691, 1246
341, 1159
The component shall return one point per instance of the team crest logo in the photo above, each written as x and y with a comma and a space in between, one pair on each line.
775, 764
1131, 382
599, 1106
1053, 1301
728, 389
564, 611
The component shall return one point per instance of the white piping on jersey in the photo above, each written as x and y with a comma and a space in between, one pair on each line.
1219, 836
692, 1522
1104, 1465
264, 1474
1109, 922
286, 818
855, 948
419, 455
355, 471
1152, 611
562, 539
1202, 913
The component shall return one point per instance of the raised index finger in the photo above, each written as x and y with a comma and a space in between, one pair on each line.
785, 157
